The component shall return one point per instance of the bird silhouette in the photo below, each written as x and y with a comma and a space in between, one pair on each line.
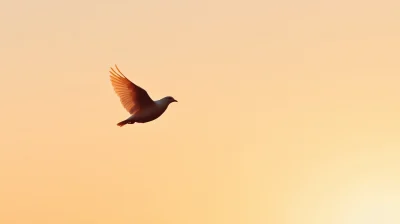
136, 100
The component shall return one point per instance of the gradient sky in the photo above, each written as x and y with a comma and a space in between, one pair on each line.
288, 112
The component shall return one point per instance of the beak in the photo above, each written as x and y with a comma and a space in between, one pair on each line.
175, 100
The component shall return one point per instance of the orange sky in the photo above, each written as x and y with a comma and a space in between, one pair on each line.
288, 112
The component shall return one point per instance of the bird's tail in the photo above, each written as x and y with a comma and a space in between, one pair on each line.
122, 123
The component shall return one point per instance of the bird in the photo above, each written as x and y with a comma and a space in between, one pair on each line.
136, 100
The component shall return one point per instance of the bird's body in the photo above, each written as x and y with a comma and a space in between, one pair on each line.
148, 114
136, 100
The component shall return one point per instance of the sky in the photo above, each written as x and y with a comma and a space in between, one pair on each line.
288, 112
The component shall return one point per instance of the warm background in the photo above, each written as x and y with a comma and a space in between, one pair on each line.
288, 113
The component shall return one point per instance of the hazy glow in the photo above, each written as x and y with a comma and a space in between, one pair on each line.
348, 190
288, 112
370, 206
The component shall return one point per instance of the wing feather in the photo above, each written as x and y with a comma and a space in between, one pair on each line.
132, 96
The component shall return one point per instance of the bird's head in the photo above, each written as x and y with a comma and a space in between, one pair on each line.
169, 99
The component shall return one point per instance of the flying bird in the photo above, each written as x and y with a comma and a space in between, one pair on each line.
136, 100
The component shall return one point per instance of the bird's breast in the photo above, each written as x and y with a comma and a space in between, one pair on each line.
149, 114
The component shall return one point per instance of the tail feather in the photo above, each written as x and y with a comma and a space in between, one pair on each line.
122, 123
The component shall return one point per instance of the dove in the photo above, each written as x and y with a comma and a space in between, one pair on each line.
136, 100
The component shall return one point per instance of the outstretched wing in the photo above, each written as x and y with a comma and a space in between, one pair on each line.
132, 97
